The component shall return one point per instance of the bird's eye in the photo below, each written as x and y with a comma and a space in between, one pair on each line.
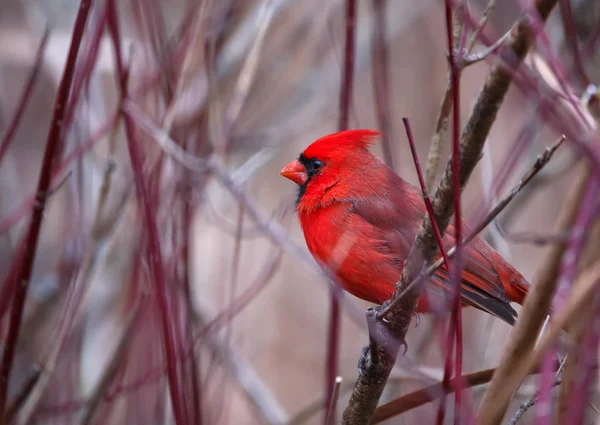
315, 164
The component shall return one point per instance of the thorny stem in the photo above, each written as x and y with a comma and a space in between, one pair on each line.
369, 385
149, 218
25, 267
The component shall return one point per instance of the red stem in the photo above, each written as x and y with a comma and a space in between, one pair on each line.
25, 96
426, 198
449, 345
85, 68
380, 75
569, 26
24, 271
348, 70
455, 325
149, 219
333, 332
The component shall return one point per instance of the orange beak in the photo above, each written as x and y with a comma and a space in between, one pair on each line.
295, 171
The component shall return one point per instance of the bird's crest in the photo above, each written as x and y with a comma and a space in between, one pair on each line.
348, 139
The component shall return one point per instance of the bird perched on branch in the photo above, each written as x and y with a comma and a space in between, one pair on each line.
360, 219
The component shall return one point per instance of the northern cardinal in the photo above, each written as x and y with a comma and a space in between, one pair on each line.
360, 219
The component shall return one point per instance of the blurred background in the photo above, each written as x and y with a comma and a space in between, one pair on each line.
251, 83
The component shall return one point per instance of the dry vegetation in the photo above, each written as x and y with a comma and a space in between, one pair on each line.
151, 267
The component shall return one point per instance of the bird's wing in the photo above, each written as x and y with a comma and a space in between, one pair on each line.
481, 282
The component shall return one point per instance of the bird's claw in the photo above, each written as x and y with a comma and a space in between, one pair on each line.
404, 345
362, 361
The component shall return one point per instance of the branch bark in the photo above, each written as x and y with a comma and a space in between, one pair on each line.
377, 361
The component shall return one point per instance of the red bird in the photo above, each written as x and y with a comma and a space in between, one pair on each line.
360, 219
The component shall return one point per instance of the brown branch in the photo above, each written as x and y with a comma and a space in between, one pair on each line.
576, 335
532, 401
585, 287
430, 393
372, 380
535, 309
435, 146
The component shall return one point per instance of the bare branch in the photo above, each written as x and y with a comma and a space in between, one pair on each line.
333, 403
585, 288
24, 266
528, 326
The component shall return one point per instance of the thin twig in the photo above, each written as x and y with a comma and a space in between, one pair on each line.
438, 237
22, 395
430, 393
25, 95
25, 265
455, 325
333, 403
246, 76
474, 58
345, 103
380, 78
114, 363
484, 19
533, 400
169, 341
571, 37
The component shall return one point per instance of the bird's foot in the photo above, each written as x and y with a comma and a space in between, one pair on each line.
365, 357
404, 346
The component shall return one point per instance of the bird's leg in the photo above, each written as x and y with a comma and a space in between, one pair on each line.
379, 332
365, 357
417, 319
